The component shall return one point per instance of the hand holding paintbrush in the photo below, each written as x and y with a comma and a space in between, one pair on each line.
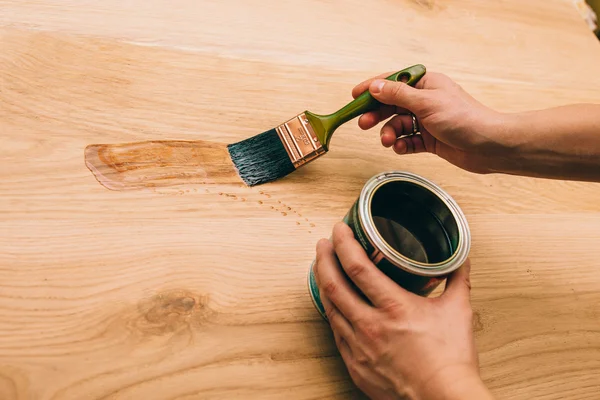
280, 151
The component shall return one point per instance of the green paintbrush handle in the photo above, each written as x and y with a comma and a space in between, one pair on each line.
362, 104
365, 102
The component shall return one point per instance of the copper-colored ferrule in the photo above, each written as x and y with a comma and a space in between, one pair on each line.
300, 141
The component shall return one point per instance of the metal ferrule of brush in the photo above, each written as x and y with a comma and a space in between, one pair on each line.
300, 140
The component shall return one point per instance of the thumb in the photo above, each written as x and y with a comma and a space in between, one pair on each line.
458, 286
396, 93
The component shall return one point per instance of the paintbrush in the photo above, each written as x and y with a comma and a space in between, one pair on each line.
280, 151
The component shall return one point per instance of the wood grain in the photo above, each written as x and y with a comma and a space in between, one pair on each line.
199, 291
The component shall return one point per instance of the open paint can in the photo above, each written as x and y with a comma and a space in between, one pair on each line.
411, 229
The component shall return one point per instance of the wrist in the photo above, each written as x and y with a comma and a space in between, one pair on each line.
466, 388
499, 131
455, 384
503, 142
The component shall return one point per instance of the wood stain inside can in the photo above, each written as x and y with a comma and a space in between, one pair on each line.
401, 238
411, 229
413, 221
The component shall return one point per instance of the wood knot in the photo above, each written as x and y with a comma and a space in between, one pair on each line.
171, 311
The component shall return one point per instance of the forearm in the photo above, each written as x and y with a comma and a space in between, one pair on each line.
473, 389
561, 143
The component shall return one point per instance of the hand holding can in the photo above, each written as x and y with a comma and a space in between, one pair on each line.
397, 344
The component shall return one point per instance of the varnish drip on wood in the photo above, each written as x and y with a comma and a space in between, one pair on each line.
151, 164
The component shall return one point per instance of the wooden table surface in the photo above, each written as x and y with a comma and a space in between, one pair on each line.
191, 290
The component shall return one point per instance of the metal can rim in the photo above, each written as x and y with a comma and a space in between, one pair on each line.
425, 269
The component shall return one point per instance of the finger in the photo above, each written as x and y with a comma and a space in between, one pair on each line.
368, 120
333, 285
372, 118
395, 127
364, 85
434, 80
344, 349
431, 80
339, 324
388, 136
458, 285
373, 283
398, 94
429, 141
410, 145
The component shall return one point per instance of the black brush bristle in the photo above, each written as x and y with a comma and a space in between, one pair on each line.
261, 158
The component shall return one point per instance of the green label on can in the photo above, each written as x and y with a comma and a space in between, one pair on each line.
314, 291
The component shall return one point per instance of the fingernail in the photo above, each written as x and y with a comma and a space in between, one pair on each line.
377, 86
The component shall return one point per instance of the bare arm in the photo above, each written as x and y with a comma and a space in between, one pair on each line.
560, 143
